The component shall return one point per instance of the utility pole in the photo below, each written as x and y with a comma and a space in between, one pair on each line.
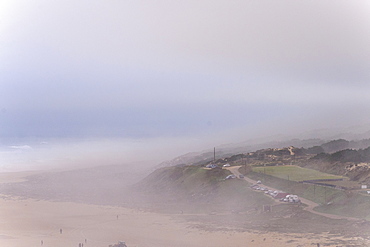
214, 154
245, 167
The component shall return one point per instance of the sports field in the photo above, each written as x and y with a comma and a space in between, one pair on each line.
294, 173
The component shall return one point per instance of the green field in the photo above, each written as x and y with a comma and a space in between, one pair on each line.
294, 173
333, 201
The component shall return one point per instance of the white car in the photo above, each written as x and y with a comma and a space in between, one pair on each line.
211, 166
230, 177
226, 165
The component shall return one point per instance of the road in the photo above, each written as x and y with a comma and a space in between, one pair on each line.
310, 204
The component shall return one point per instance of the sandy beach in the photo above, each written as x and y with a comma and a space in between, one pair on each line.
29, 222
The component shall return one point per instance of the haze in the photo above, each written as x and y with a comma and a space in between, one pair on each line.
174, 77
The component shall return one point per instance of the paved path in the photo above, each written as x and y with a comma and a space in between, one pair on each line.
311, 204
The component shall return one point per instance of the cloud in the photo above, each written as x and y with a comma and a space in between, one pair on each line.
22, 147
141, 68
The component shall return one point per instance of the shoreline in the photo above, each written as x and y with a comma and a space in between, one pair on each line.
16, 176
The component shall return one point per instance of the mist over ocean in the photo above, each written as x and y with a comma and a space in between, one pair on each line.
24, 154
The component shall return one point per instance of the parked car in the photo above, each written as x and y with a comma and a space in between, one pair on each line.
241, 176
230, 176
211, 166
255, 187
119, 244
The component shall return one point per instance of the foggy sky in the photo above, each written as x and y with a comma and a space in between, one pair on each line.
143, 69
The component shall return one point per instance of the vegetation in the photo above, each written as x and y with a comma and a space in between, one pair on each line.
294, 173
194, 188
318, 194
315, 150
332, 201
352, 204
331, 160
335, 145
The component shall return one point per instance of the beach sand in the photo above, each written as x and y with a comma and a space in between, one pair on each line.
27, 222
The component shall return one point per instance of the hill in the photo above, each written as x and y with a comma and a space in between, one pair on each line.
204, 196
279, 152
227, 150
194, 188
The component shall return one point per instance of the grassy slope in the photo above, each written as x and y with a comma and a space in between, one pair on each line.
340, 202
204, 196
294, 173
354, 204
308, 191
193, 188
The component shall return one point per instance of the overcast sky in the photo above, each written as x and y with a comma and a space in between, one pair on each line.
148, 69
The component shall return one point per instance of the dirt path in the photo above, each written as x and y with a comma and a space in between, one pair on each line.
311, 204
